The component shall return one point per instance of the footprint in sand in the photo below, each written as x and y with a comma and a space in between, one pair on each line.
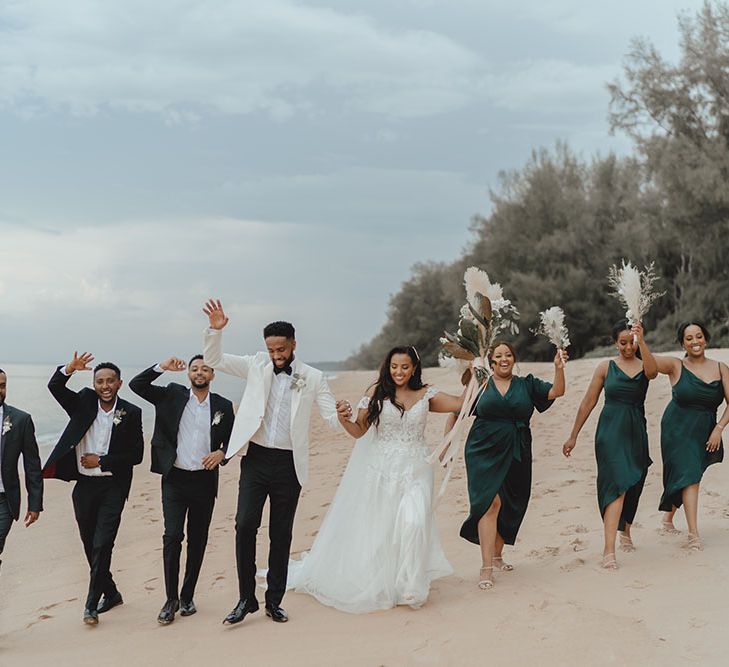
48, 606
578, 528
42, 617
573, 565
544, 552
578, 545
638, 585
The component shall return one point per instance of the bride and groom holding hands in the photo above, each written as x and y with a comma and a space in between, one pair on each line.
378, 545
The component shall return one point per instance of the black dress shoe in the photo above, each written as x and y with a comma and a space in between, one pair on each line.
91, 617
167, 613
187, 608
276, 613
241, 609
109, 603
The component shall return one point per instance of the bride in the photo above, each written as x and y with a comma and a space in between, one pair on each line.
378, 545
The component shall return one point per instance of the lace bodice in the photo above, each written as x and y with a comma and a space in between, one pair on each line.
395, 430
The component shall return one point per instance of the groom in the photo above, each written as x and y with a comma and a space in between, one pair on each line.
271, 431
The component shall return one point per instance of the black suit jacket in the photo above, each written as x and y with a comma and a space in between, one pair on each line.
126, 447
20, 439
169, 403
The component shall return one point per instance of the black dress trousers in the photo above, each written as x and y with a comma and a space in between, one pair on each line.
265, 473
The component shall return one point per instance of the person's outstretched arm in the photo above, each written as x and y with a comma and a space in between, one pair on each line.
68, 398
213, 343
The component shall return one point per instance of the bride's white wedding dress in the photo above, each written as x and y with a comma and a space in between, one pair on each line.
378, 545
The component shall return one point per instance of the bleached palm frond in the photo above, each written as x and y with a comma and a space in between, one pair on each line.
635, 289
552, 326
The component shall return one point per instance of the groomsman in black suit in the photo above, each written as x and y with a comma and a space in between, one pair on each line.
101, 444
17, 436
191, 433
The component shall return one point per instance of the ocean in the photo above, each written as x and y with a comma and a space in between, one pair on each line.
27, 391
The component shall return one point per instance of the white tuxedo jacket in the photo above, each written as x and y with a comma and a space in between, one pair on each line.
257, 369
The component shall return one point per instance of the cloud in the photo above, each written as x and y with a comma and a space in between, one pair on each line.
184, 58
553, 87
136, 290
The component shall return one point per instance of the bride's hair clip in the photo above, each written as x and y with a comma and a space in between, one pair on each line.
415, 352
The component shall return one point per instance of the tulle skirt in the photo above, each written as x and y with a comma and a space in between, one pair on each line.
378, 545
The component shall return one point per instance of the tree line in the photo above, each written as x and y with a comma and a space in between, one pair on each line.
557, 224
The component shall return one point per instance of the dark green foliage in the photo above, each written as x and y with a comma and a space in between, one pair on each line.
559, 223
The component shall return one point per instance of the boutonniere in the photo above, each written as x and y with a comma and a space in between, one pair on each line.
217, 417
298, 382
118, 414
7, 424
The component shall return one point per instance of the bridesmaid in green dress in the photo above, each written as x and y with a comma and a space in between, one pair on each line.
690, 434
621, 438
498, 455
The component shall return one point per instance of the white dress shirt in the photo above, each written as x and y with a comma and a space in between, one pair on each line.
193, 436
96, 441
2, 416
275, 431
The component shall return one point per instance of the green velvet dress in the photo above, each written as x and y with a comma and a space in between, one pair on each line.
498, 454
621, 442
687, 423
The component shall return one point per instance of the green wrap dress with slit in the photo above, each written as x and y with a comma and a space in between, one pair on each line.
686, 425
498, 454
621, 442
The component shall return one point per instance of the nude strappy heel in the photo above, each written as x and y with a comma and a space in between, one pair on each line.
694, 542
609, 562
486, 583
626, 542
499, 564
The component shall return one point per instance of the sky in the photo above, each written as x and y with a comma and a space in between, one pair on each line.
294, 159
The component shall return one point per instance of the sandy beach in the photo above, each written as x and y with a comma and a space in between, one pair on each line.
665, 606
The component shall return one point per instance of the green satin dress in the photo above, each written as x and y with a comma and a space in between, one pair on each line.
687, 423
621, 442
498, 454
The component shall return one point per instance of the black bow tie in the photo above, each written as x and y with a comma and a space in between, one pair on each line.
286, 369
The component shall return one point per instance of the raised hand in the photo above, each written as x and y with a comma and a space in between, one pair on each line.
560, 359
79, 363
637, 331
173, 364
216, 315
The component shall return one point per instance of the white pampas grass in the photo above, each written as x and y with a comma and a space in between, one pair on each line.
552, 326
477, 282
634, 288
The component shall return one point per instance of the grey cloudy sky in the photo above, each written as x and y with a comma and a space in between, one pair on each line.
293, 158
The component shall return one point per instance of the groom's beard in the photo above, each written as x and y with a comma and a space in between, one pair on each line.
286, 363
200, 384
